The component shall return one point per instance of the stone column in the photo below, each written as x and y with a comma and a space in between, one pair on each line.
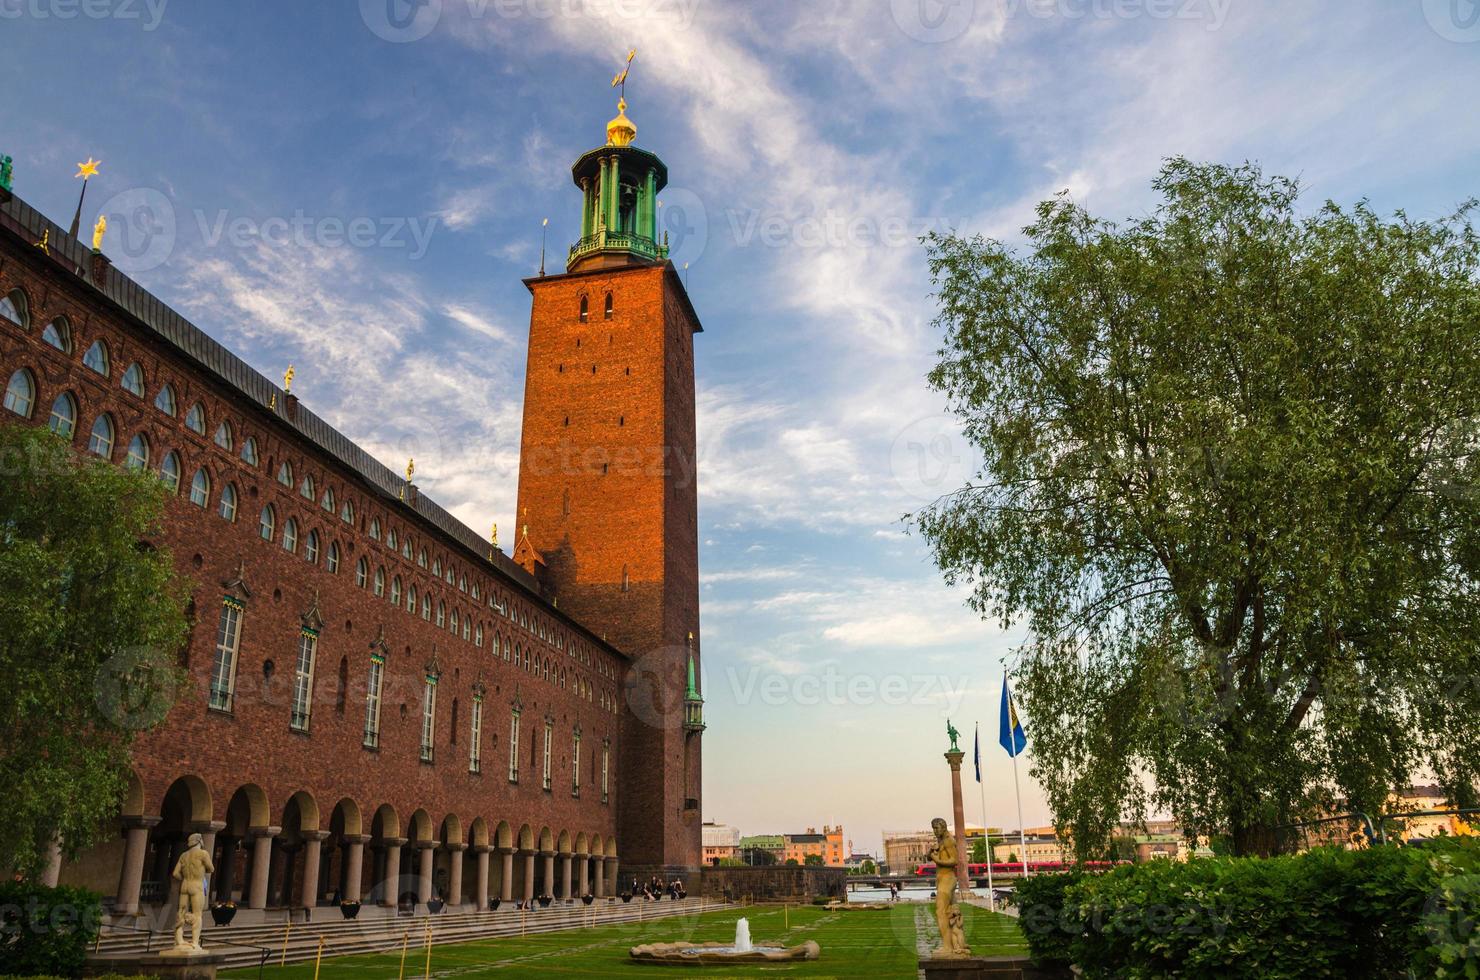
583, 862
208, 829
506, 874
480, 889
391, 885
428, 851
549, 871
261, 864
455, 873
131, 876
312, 845
528, 876
601, 891
614, 198
615, 886
565, 860
353, 865
963, 856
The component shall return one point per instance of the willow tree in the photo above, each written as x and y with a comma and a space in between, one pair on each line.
1229, 484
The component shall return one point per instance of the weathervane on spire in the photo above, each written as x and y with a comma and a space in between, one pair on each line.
620, 80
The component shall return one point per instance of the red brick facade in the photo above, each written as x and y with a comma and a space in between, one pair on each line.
317, 793
608, 496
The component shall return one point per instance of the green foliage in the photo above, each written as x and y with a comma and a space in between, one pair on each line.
1229, 481
868, 868
813, 861
93, 625
46, 930
1326, 913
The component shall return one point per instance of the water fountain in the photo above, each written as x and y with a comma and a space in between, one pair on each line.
740, 951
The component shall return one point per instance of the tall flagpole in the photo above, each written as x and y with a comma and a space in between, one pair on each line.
981, 785
1022, 831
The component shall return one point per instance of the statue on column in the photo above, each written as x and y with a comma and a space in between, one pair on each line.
947, 912
190, 872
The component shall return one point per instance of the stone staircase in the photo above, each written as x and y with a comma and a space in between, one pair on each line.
250, 945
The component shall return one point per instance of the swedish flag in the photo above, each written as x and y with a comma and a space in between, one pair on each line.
1013, 738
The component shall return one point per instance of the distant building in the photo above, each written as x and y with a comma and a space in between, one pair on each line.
855, 862
721, 842
1417, 799
762, 849
905, 850
827, 845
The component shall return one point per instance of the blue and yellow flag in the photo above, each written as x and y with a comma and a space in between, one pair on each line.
1013, 738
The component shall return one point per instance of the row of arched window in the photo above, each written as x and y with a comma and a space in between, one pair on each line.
586, 308
20, 398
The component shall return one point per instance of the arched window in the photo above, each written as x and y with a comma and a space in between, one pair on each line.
228, 503
327, 500
390, 539
165, 401
467, 628
379, 583
195, 419
96, 358
585, 309
138, 453
20, 393
58, 333
374, 529
406, 549
133, 380
13, 307
411, 599
169, 471
478, 636
285, 474
441, 614
437, 568
249, 451
311, 548
223, 435
396, 591
63, 416
331, 560
453, 624
462, 583
421, 558
362, 573
268, 523
100, 443
608, 306
426, 607
305, 489
200, 488
290, 535
347, 513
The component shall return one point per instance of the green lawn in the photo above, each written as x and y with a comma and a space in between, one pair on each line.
874, 944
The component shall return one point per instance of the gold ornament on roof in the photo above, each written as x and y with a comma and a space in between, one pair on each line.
288, 381
621, 131
88, 169
99, 230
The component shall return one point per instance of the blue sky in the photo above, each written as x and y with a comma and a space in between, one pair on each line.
356, 188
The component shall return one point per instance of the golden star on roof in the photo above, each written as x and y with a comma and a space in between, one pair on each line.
88, 169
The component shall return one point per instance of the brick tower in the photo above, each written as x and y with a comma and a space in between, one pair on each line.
608, 505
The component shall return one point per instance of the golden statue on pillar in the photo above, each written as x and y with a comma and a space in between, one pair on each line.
99, 230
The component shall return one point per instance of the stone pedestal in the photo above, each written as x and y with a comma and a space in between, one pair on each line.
981, 968
165, 966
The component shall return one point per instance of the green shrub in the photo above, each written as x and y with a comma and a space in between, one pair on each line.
46, 931
1326, 913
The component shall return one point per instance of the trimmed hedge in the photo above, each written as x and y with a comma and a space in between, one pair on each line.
1326, 913
46, 931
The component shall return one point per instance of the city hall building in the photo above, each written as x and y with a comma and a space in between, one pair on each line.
381, 705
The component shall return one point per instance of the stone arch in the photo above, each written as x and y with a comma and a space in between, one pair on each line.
346, 818
192, 793
503, 834
563, 842
248, 809
133, 796
597, 848
419, 829
611, 847
386, 822
526, 838
582, 842
547, 840
451, 831
478, 832
301, 813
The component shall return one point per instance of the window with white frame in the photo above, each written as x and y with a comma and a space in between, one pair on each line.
372, 698
428, 716
549, 742
475, 736
514, 746
575, 765
606, 760
308, 646
228, 642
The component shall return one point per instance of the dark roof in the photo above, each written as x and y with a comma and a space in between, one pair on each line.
806, 838
30, 225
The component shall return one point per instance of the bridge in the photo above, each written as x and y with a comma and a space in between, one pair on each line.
904, 881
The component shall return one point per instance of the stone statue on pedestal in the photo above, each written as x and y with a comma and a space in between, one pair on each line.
947, 911
190, 872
